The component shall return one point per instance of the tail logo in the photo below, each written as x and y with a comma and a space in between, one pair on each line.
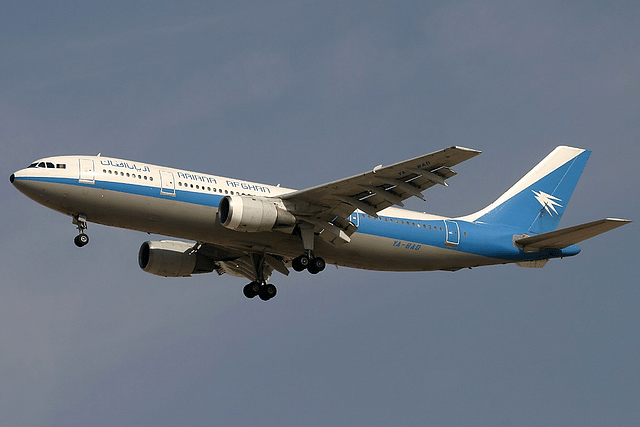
548, 202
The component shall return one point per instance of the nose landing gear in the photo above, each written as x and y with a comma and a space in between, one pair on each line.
81, 239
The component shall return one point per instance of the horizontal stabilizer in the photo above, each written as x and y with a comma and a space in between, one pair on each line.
560, 239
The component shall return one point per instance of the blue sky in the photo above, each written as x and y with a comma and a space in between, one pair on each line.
300, 93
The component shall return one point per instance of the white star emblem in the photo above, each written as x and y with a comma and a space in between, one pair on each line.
548, 202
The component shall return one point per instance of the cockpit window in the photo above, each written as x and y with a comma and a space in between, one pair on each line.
48, 165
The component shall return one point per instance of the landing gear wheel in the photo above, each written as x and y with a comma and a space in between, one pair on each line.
81, 240
319, 263
316, 265
251, 290
267, 292
300, 263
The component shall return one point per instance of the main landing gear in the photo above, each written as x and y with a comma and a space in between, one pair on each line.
259, 287
307, 261
265, 291
81, 222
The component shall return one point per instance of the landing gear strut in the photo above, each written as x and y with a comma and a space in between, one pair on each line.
81, 222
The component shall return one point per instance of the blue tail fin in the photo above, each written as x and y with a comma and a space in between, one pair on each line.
536, 203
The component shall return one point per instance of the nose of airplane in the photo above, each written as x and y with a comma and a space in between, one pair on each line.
12, 177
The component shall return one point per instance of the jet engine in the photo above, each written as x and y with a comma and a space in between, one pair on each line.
169, 258
254, 214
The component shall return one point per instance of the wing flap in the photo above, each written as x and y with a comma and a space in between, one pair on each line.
241, 263
565, 237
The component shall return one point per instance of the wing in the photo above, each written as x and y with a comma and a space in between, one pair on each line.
329, 206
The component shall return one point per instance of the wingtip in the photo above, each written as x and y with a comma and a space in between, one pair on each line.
620, 220
470, 150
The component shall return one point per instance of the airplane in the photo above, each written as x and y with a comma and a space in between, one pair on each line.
250, 229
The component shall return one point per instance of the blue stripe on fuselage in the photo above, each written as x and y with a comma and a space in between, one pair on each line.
493, 241
205, 199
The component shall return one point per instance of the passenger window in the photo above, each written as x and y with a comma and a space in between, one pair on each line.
61, 166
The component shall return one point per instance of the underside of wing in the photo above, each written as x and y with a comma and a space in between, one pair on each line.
248, 266
255, 266
328, 206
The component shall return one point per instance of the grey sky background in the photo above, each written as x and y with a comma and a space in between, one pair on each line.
301, 93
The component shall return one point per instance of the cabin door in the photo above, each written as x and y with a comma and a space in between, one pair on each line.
167, 184
452, 233
87, 172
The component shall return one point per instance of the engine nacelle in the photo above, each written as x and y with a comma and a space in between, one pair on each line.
169, 258
253, 214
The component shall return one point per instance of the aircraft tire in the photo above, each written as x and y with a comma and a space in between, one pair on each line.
319, 263
251, 290
267, 292
300, 263
81, 240
316, 265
